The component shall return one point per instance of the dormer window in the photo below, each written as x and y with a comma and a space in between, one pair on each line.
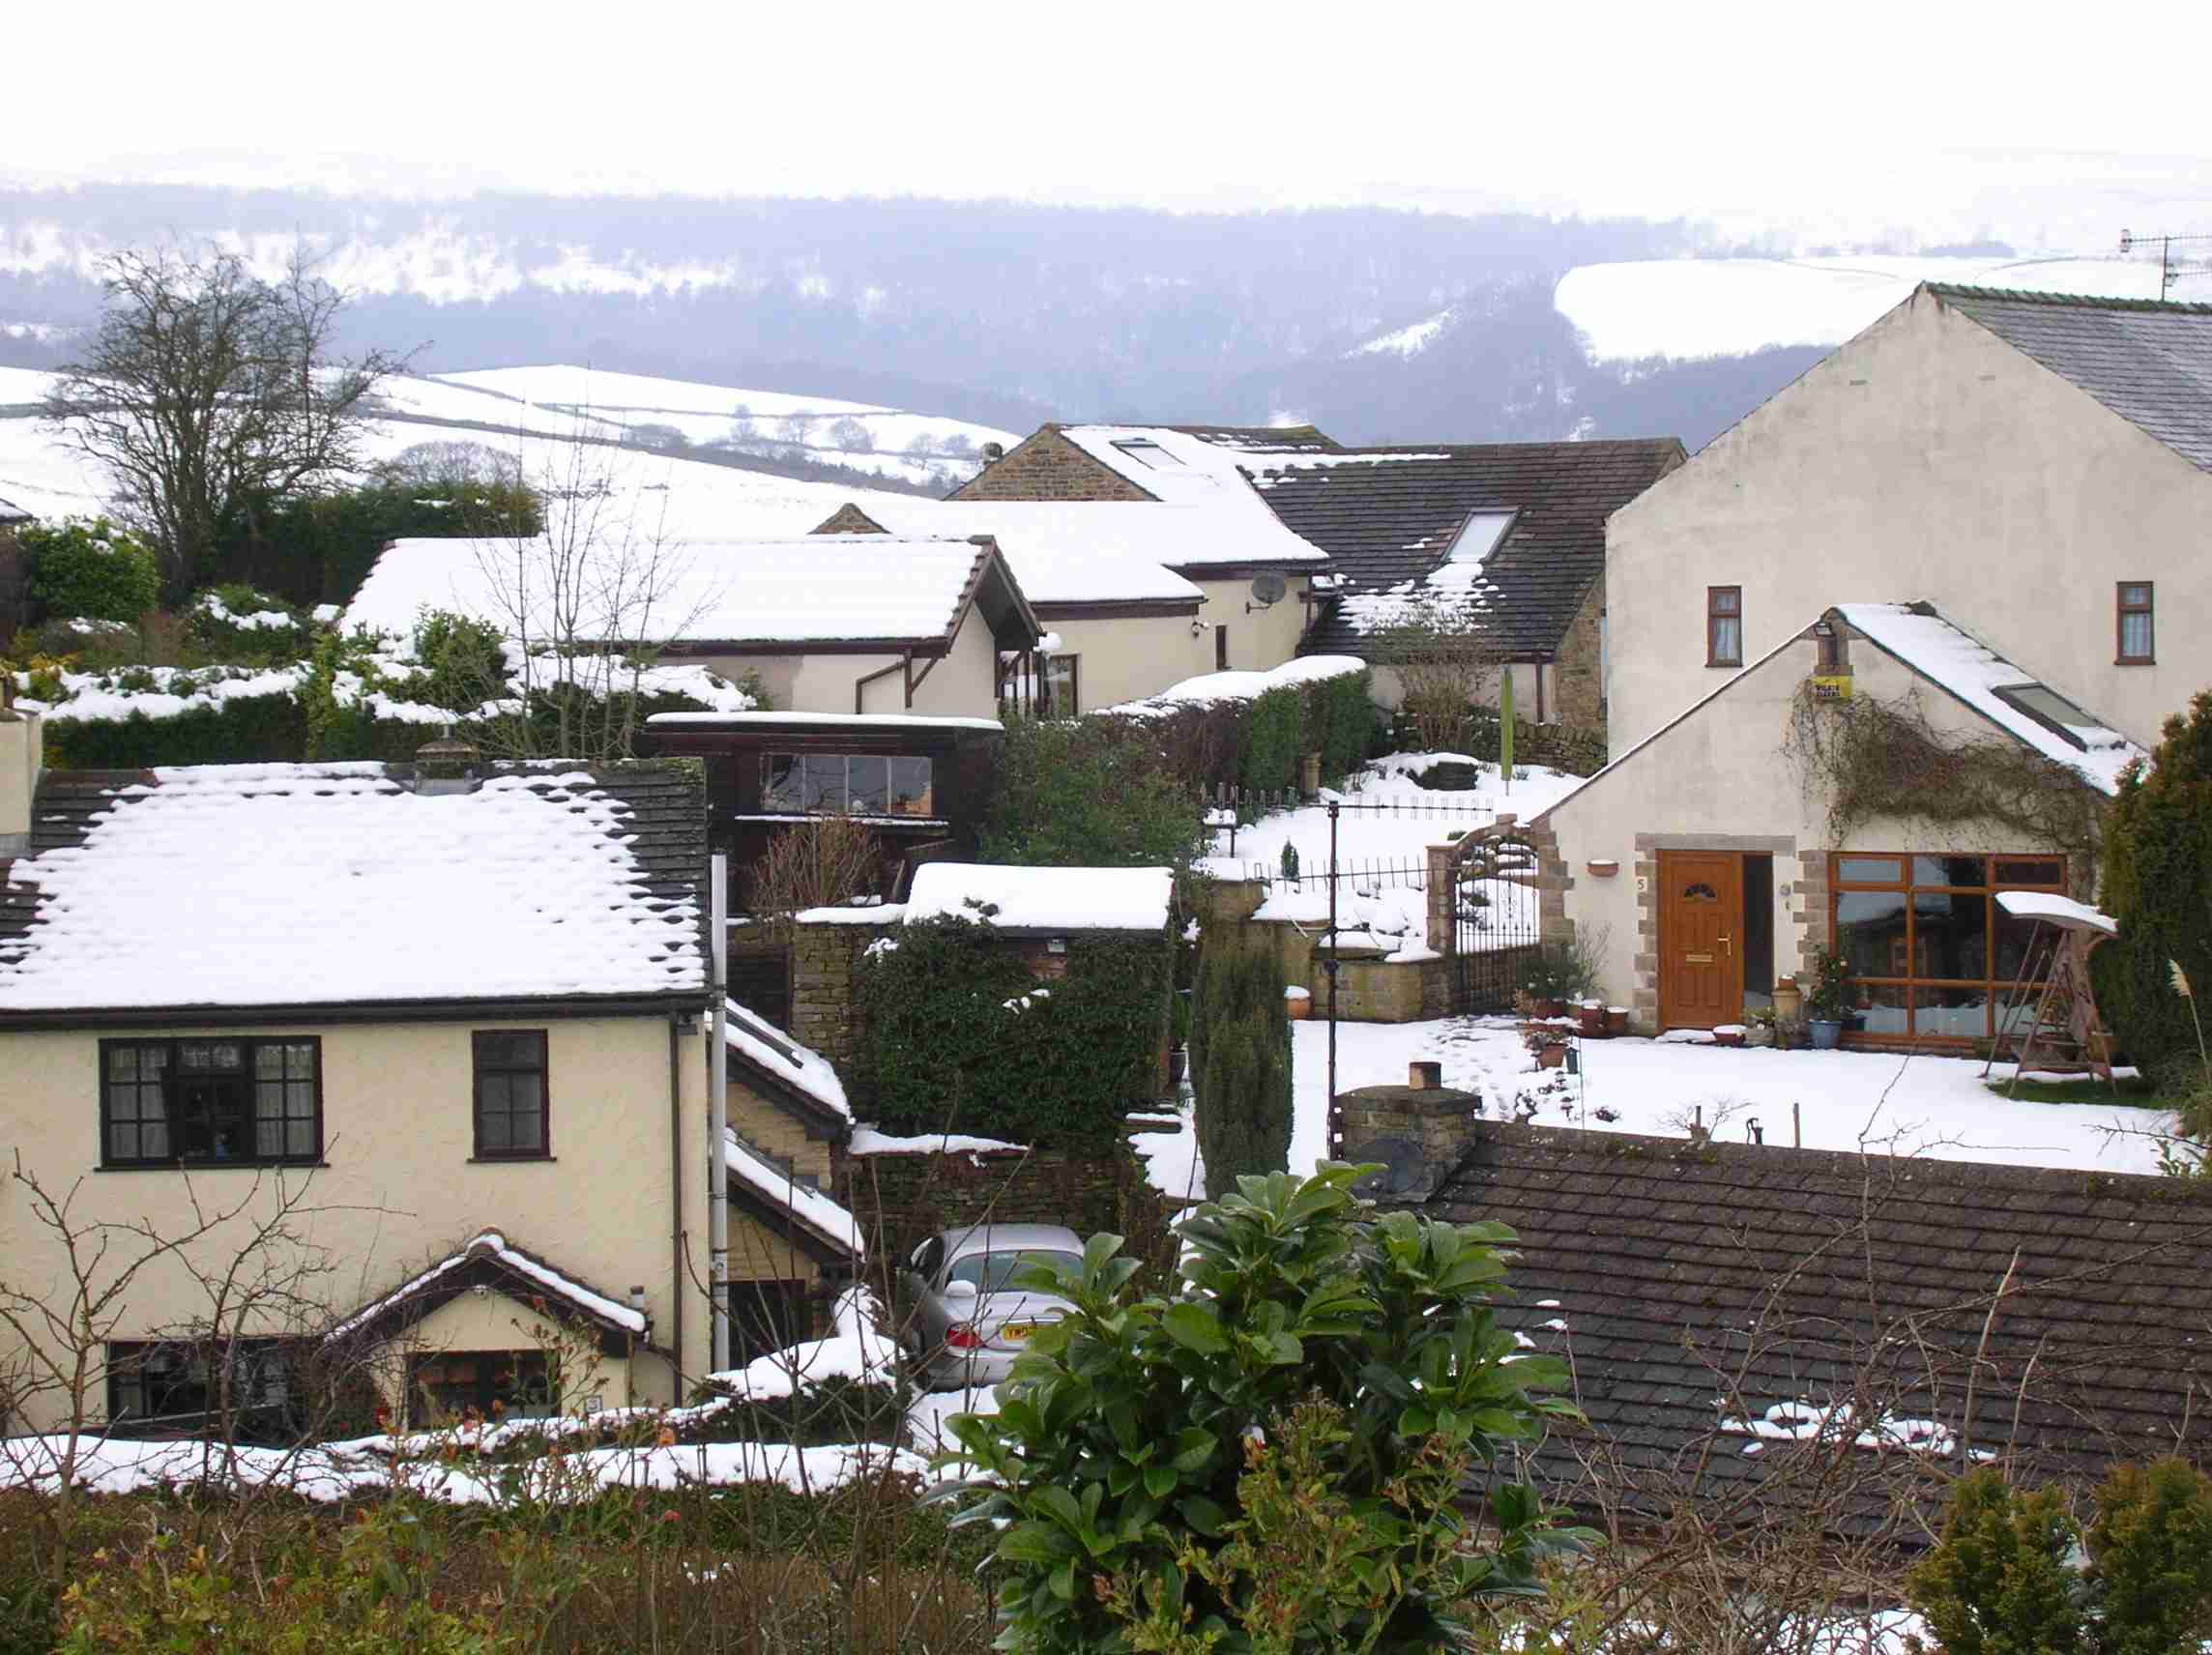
2051, 709
1148, 453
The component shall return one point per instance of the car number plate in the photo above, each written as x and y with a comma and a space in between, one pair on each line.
1014, 1332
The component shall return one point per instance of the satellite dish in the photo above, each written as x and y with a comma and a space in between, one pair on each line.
1405, 1168
1269, 587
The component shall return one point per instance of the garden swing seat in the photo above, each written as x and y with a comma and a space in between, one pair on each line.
2064, 1033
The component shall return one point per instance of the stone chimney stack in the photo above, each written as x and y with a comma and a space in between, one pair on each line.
446, 766
992, 452
21, 760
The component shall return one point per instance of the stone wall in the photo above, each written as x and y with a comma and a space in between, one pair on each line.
825, 960
1432, 1119
901, 1200
1369, 987
1578, 685
1047, 465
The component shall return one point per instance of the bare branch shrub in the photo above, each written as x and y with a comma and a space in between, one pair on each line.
822, 863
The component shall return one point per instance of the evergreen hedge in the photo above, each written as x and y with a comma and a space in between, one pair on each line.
2157, 883
958, 1035
1240, 1063
315, 549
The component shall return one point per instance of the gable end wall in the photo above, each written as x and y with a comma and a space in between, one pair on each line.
1047, 465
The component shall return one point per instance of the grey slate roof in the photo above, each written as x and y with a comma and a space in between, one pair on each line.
2149, 363
1696, 1283
11, 512
1393, 520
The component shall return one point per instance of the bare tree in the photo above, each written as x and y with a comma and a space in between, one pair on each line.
820, 863
1446, 663
586, 607
206, 388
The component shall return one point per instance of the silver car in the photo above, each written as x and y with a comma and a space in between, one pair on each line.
965, 1322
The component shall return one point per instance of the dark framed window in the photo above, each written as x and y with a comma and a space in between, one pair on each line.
199, 1101
1060, 686
1933, 956
2137, 634
1221, 649
511, 1105
170, 1387
454, 1385
1724, 625
846, 784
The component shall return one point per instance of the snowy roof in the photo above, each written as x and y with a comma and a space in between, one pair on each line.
858, 587
771, 1051
1669, 1272
1045, 899
2149, 363
1187, 464
495, 1257
11, 512
1948, 655
755, 1174
266, 885
1103, 550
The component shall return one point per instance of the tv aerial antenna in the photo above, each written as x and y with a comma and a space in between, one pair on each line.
2170, 270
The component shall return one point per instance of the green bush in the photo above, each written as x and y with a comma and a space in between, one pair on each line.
1568, 748
465, 662
1088, 792
1274, 1460
959, 1036
2157, 883
90, 569
1240, 1063
2003, 1581
319, 548
1272, 730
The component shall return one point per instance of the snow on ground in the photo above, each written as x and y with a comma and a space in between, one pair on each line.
857, 1350
1173, 1165
1401, 821
1887, 1104
1699, 307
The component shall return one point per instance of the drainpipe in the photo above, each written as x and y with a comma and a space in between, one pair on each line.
676, 1197
719, 1122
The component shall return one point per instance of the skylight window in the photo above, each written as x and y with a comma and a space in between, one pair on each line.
1146, 452
1481, 536
2051, 709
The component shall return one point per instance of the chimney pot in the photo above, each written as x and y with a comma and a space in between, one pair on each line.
1425, 1076
994, 452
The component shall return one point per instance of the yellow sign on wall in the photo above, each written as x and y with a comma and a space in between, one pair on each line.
1831, 686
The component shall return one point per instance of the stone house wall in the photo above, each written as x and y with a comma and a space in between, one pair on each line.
1578, 679
1047, 465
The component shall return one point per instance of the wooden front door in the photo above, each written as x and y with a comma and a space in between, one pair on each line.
1700, 938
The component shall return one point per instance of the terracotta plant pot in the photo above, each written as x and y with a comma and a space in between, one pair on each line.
1727, 1037
1551, 1056
1298, 1007
1547, 1008
1616, 1020
1592, 1021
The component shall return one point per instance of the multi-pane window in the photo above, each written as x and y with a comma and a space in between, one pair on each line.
1060, 687
846, 784
199, 1101
1724, 625
1931, 952
173, 1386
510, 1106
2137, 638
456, 1385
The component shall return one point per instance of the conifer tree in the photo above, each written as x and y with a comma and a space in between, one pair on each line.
1240, 1065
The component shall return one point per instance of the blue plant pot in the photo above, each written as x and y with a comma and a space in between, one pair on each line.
1826, 1033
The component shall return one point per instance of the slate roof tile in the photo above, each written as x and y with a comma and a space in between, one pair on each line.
1768, 1276
1394, 518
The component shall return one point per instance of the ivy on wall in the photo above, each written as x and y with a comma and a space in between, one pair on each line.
1873, 758
959, 1036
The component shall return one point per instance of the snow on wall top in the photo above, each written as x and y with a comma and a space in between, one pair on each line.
1242, 686
776, 1052
239, 886
1932, 646
802, 1201
1045, 899
821, 588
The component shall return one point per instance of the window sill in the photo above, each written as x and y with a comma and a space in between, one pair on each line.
214, 1167
1725, 666
2134, 661
513, 1160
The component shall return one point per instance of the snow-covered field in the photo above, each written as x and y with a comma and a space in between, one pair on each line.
530, 415
1699, 307
1936, 1106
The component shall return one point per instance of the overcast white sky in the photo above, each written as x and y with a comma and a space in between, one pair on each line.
1847, 119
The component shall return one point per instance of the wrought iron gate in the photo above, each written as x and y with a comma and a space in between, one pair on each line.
1497, 930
